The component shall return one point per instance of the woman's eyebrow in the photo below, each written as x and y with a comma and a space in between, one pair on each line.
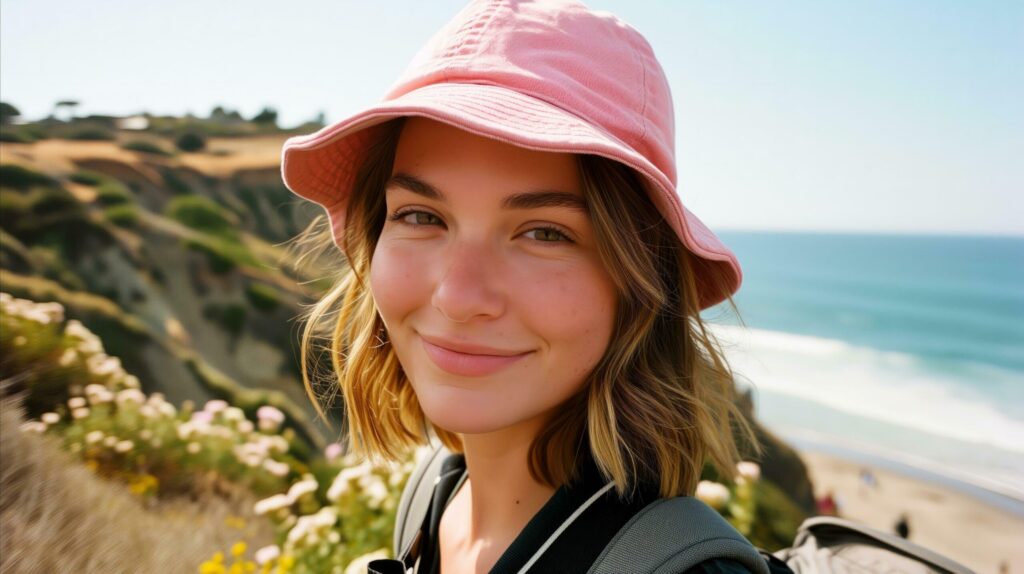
526, 200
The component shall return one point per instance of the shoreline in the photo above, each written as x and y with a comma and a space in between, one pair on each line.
991, 493
966, 522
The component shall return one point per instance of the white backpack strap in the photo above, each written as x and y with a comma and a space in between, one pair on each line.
415, 501
672, 535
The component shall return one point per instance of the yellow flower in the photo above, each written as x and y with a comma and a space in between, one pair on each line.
238, 549
236, 568
285, 564
211, 568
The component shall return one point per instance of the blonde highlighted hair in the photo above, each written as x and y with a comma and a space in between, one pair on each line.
657, 407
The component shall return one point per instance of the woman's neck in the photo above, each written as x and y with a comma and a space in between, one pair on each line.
498, 498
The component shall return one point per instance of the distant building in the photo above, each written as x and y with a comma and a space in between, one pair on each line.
133, 123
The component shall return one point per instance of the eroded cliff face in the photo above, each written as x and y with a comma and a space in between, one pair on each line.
138, 234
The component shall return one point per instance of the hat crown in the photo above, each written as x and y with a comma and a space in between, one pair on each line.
588, 63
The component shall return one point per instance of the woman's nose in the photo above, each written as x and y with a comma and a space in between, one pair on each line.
469, 287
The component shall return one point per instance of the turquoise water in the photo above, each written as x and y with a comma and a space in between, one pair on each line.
911, 346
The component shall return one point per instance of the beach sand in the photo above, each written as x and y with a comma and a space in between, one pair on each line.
956, 524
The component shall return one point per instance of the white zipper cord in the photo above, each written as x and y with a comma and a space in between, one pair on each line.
568, 521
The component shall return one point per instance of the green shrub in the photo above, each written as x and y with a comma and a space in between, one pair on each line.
202, 214
146, 147
223, 256
86, 177
190, 142
262, 296
14, 136
46, 201
231, 317
91, 133
112, 192
18, 177
123, 214
13, 208
175, 182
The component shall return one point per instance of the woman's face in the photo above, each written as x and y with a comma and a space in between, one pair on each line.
488, 278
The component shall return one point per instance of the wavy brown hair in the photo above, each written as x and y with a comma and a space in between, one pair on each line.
659, 404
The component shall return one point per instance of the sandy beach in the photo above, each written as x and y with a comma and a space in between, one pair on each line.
972, 531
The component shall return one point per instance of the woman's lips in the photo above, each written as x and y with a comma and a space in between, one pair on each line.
466, 364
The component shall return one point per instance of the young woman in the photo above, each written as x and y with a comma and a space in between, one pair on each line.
524, 283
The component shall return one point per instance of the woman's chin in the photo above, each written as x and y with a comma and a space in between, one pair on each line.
463, 416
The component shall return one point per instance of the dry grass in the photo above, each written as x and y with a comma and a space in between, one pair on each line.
57, 516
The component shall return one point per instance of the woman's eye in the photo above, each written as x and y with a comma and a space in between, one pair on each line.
549, 235
416, 218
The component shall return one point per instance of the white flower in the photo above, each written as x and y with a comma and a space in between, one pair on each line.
147, 410
234, 414
311, 529
93, 388
110, 441
145, 434
748, 470
124, 446
215, 406
376, 492
713, 494
193, 448
94, 437
332, 452
305, 486
103, 365
270, 413
341, 485
275, 443
67, 357
361, 565
272, 552
50, 418
268, 505
77, 402
245, 427
100, 397
276, 468
80, 413
185, 430
167, 409
131, 396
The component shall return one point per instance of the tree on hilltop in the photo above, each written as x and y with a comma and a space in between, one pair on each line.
7, 112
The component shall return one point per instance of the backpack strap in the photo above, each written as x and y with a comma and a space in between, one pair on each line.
671, 535
415, 502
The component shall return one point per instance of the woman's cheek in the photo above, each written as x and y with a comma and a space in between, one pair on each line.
396, 280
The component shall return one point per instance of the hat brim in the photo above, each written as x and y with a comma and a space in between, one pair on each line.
321, 166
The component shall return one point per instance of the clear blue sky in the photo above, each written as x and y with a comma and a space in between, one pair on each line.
844, 116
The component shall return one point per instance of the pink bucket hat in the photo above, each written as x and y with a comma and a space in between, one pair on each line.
549, 75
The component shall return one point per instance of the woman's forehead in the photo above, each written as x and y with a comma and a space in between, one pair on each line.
449, 157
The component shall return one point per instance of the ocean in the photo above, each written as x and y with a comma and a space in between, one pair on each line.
905, 348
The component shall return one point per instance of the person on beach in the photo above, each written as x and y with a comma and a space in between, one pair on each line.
524, 283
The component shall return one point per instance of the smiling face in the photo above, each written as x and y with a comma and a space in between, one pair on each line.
488, 278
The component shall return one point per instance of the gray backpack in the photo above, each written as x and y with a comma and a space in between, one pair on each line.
671, 535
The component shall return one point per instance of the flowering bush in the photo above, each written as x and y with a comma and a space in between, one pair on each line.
738, 503
342, 530
120, 432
